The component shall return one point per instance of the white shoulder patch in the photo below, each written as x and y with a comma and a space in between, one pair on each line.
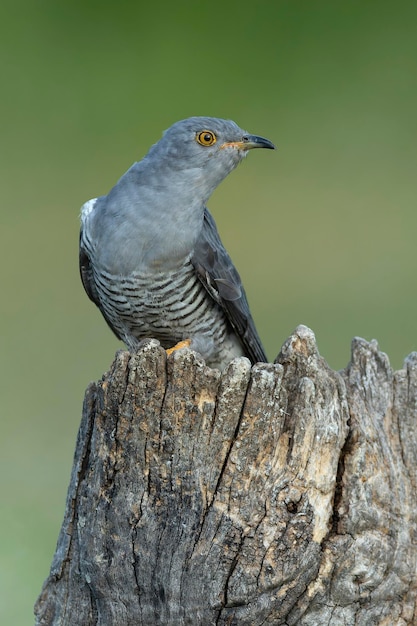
87, 208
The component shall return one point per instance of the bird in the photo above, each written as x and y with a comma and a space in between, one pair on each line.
150, 254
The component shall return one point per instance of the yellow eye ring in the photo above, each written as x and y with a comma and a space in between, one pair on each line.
206, 138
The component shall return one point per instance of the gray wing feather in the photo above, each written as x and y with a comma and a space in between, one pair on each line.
86, 274
86, 270
219, 276
87, 278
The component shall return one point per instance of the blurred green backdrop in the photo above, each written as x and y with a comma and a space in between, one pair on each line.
322, 231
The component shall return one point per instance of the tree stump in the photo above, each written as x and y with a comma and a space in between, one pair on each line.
279, 494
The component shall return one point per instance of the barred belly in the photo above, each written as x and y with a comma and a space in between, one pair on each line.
169, 306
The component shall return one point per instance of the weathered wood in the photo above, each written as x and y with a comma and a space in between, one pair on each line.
281, 494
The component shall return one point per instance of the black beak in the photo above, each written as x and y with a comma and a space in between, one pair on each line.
253, 141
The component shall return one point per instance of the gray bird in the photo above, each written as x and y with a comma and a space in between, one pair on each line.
151, 258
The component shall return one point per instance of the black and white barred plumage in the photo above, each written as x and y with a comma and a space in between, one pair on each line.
151, 257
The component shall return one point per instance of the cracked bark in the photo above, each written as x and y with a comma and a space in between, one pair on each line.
281, 494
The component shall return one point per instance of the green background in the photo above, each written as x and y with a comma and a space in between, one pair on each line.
322, 231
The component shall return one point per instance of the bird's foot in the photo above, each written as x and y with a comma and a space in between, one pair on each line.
181, 344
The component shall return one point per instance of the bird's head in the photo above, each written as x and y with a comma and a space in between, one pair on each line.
207, 147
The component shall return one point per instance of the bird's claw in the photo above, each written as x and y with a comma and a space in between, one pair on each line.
181, 344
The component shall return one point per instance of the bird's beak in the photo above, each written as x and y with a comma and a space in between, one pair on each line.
248, 142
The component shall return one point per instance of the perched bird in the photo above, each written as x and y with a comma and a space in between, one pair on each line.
151, 258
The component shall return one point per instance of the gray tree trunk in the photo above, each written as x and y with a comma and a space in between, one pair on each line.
281, 494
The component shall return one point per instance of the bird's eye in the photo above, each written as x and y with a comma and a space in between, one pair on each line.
206, 138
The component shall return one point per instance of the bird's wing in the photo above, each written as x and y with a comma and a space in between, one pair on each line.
219, 276
86, 271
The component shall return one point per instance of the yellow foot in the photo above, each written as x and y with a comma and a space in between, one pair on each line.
181, 344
